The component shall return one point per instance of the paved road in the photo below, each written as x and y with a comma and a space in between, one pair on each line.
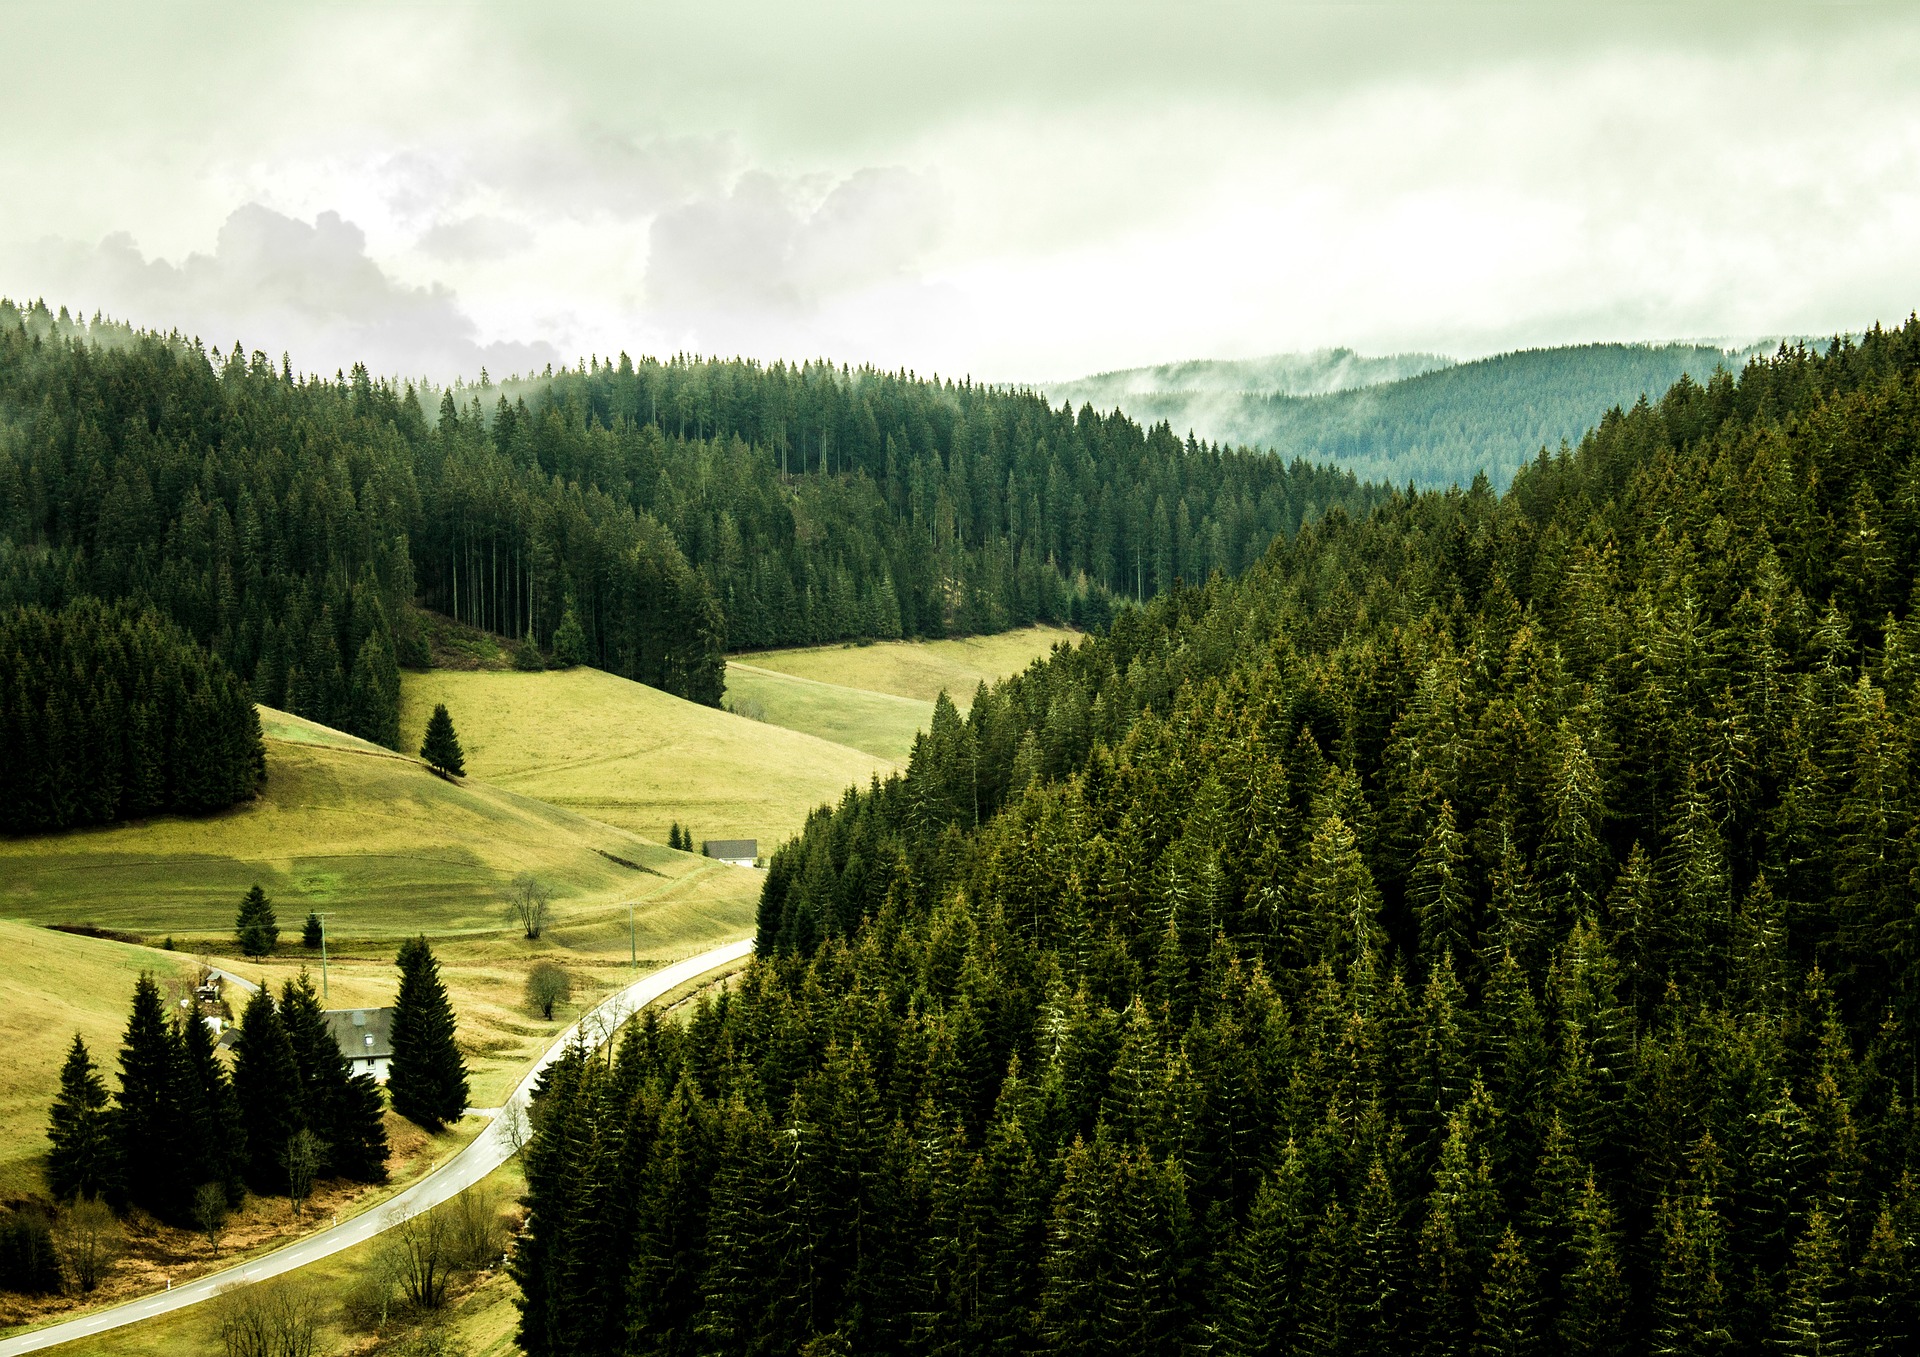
481, 1156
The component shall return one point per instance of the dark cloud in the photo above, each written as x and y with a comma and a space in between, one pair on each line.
278, 283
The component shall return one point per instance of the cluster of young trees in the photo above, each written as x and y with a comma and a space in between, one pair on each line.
182, 1136
1488, 926
110, 713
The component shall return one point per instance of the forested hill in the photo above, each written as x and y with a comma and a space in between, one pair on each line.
1488, 926
1437, 427
291, 525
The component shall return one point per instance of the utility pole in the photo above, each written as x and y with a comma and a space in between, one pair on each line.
633, 963
324, 991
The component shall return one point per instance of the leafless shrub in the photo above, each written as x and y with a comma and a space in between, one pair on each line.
417, 1253
276, 1318
88, 1238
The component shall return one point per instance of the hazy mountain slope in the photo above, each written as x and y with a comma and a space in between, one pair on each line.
1440, 426
1287, 374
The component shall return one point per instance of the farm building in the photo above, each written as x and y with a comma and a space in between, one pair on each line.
365, 1038
739, 852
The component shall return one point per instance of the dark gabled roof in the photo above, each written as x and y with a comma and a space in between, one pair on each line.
731, 848
352, 1026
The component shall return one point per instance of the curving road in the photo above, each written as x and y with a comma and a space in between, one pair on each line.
481, 1156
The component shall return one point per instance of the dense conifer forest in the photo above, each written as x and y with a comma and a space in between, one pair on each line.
110, 713
669, 510
1486, 927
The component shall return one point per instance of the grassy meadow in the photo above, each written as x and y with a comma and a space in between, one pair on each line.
633, 756
881, 724
915, 669
341, 826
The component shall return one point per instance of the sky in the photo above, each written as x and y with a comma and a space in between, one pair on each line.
1016, 192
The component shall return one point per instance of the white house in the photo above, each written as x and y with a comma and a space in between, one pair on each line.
365, 1038
737, 852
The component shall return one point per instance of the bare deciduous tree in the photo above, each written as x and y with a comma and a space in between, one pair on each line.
210, 1213
548, 984
301, 1158
417, 1252
479, 1235
276, 1318
88, 1238
531, 900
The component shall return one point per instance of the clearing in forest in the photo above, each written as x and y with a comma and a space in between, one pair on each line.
636, 757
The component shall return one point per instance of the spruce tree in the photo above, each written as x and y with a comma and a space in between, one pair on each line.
312, 933
213, 1147
256, 930
341, 1108
427, 1079
81, 1160
569, 640
441, 748
266, 1081
148, 1121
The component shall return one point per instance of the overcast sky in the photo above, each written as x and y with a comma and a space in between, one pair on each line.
1016, 191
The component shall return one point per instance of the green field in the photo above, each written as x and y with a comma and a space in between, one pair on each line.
342, 826
53, 985
882, 724
916, 669
634, 756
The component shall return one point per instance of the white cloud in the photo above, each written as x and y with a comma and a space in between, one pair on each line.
277, 283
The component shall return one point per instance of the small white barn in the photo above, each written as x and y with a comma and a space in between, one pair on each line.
365, 1038
737, 852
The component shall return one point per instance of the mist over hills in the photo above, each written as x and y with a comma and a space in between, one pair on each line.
1413, 417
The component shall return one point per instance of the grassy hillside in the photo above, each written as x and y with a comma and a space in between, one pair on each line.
882, 724
53, 985
914, 669
634, 756
342, 826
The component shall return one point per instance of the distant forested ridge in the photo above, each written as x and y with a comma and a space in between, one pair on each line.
1436, 428
292, 525
1488, 926
110, 713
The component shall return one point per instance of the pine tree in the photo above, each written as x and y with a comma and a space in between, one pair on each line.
569, 640
427, 1079
148, 1121
1508, 1313
1594, 1296
81, 1159
266, 1083
312, 933
213, 1145
441, 748
255, 928
1813, 1315
341, 1108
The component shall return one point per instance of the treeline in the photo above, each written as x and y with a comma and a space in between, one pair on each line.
1487, 927
110, 713
671, 509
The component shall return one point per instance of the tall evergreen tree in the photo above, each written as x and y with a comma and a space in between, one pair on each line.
427, 1078
150, 1120
341, 1108
214, 1140
81, 1160
266, 1083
